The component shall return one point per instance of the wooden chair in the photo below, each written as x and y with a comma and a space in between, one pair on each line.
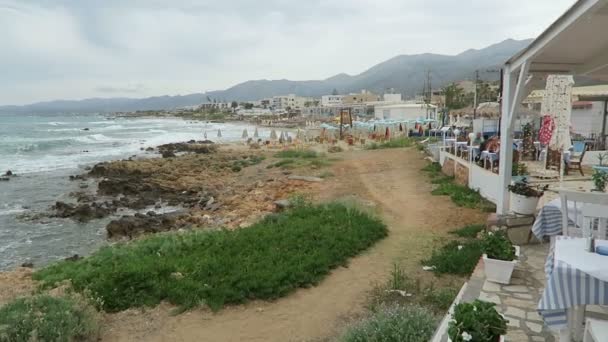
593, 216
576, 158
553, 159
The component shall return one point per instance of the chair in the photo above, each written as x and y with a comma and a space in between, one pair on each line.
576, 159
588, 211
596, 331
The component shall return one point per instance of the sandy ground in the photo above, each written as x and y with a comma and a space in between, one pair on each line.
388, 180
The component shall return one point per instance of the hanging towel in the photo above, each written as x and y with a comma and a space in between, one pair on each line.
546, 130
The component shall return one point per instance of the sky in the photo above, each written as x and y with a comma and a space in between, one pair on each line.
74, 49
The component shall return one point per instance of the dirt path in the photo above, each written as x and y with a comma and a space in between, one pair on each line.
391, 179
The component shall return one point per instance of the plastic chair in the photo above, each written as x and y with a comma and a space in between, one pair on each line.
596, 331
593, 213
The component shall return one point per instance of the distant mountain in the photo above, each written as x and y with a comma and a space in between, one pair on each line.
406, 74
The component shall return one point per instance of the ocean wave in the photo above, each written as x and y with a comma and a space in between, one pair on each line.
93, 138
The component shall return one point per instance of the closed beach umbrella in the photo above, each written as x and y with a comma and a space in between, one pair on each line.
245, 134
205, 135
255, 134
282, 137
219, 133
273, 135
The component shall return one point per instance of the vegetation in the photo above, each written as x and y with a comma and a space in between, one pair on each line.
519, 169
298, 154
600, 178
394, 143
461, 195
238, 165
524, 189
46, 318
477, 321
403, 290
394, 324
498, 246
471, 231
456, 257
265, 261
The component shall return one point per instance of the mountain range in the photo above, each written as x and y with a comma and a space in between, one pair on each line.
405, 74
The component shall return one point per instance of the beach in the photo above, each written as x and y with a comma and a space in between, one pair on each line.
44, 151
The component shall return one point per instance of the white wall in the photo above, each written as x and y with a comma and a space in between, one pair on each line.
392, 97
331, 100
588, 120
405, 112
480, 179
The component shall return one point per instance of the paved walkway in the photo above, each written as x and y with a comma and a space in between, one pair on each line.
518, 301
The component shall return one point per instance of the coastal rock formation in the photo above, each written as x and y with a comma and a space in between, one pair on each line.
201, 147
132, 226
83, 212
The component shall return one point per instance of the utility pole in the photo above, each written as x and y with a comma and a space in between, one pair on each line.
475, 97
429, 94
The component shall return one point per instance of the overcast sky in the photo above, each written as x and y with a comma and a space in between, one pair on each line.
73, 49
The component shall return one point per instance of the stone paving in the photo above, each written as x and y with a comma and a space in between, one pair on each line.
518, 301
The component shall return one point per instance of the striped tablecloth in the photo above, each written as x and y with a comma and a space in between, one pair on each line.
568, 287
549, 219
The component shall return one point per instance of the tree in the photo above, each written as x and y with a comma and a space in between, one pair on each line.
234, 104
335, 92
455, 97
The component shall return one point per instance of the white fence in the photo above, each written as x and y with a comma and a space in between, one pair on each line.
480, 179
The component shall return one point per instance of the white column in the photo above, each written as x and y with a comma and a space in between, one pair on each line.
506, 140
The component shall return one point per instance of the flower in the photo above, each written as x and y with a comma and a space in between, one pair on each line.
466, 336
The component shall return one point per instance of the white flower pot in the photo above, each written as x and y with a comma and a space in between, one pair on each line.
501, 339
523, 205
500, 271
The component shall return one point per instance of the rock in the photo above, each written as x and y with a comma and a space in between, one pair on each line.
282, 204
255, 146
83, 212
86, 129
28, 264
88, 168
9, 173
150, 149
83, 186
74, 257
306, 178
131, 226
168, 154
177, 275
4, 179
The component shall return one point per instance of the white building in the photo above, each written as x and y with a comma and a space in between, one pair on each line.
392, 98
405, 111
254, 112
331, 100
290, 101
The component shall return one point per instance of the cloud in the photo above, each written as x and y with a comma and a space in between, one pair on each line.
88, 48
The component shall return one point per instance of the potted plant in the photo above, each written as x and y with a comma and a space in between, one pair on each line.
600, 178
476, 322
519, 171
499, 257
524, 197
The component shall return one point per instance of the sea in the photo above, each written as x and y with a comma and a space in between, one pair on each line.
44, 150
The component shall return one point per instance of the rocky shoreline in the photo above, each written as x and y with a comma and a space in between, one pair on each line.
206, 185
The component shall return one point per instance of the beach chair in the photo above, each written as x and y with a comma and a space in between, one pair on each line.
576, 158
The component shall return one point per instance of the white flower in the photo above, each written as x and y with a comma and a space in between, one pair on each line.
466, 336
459, 247
490, 233
474, 308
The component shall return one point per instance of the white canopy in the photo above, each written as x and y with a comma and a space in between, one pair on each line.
575, 45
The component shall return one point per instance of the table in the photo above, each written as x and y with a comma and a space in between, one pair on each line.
460, 145
537, 147
473, 152
575, 278
549, 219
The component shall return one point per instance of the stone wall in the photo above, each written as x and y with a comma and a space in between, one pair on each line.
461, 175
448, 167
518, 227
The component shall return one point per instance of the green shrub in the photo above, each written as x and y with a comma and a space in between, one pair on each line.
46, 318
458, 258
394, 324
498, 246
268, 260
301, 154
477, 321
470, 231
439, 299
394, 143
286, 163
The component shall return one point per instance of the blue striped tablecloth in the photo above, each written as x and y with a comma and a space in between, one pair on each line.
549, 219
568, 287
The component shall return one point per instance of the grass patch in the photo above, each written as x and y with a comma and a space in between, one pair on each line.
394, 143
456, 257
394, 323
46, 318
298, 154
247, 161
402, 290
284, 164
461, 195
268, 260
469, 231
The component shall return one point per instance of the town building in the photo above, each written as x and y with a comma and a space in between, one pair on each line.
331, 100
405, 111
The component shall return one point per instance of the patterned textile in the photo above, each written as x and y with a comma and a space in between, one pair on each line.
557, 102
546, 130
